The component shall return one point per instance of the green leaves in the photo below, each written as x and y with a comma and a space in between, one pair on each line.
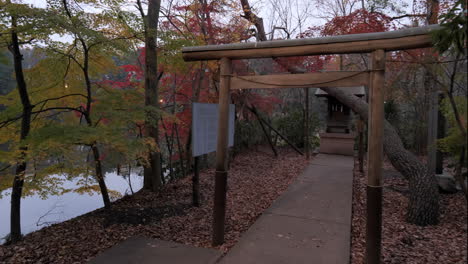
453, 35
455, 138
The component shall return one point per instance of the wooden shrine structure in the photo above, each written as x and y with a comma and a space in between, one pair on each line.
338, 138
375, 43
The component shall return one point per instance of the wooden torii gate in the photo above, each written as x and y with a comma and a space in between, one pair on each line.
375, 43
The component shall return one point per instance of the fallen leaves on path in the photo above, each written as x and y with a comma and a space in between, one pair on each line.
255, 180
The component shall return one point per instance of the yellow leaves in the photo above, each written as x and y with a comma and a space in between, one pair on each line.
212, 65
11, 156
114, 195
87, 189
9, 98
151, 144
93, 189
100, 64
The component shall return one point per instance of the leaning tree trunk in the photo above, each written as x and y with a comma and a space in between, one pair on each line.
423, 207
94, 147
100, 176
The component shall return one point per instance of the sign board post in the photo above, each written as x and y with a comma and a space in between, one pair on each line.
205, 137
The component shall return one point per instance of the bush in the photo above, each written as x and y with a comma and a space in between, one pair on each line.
247, 134
291, 125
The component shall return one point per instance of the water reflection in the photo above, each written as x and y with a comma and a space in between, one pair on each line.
37, 213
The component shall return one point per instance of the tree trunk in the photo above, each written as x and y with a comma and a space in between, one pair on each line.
196, 182
440, 135
265, 132
87, 112
170, 146
253, 18
94, 148
152, 170
18, 181
361, 146
100, 176
181, 153
431, 89
423, 208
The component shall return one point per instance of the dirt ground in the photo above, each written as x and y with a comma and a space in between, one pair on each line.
403, 242
255, 180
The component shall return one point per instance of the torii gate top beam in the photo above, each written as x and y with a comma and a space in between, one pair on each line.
410, 38
377, 43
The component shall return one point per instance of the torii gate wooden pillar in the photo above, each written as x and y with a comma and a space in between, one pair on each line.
376, 43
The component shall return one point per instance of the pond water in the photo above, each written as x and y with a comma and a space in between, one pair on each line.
37, 213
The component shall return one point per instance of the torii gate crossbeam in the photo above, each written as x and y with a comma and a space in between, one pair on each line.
375, 43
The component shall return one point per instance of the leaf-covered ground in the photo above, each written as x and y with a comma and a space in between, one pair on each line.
255, 180
403, 242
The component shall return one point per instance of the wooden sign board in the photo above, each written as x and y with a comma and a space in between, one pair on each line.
205, 128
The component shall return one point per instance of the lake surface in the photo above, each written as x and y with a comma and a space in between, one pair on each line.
37, 213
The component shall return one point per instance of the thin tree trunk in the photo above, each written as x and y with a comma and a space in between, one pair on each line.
94, 147
267, 135
276, 131
163, 178
169, 144
431, 91
196, 87
179, 147
87, 112
196, 164
100, 176
18, 181
361, 147
130, 178
440, 135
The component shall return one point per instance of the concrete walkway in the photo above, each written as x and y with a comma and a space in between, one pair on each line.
310, 223
141, 250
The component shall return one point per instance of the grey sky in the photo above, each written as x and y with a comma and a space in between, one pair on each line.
295, 16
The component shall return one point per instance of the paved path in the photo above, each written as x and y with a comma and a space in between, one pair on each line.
310, 223
139, 250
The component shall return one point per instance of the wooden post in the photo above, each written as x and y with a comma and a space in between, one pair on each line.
219, 209
196, 182
360, 128
432, 131
440, 134
374, 158
306, 124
